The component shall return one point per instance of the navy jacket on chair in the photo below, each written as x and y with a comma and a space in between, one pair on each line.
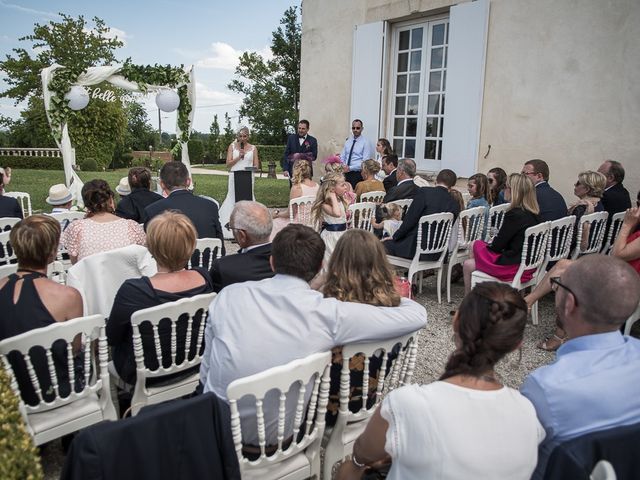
242, 267
552, 205
390, 181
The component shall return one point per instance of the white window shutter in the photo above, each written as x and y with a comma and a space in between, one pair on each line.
366, 78
468, 25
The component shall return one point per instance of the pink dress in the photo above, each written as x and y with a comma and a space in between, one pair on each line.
86, 237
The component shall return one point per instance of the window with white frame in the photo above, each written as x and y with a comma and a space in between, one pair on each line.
418, 91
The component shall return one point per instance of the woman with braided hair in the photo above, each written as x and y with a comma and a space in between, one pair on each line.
466, 424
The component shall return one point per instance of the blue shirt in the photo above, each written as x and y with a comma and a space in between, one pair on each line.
362, 150
593, 384
481, 202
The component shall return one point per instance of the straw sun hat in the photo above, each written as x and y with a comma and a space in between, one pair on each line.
59, 194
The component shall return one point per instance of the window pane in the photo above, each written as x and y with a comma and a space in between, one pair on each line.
446, 50
397, 147
436, 57
434, 81
403, 60
441, 126
398, 127
414, 83
432, 127
410, 149
404, 40
442, 106
439, 150
400, 105
430, 149
437, 38
412, 127
401, 84
412, 107
416, 38
447, 36
416, 60
433, 106
444, 80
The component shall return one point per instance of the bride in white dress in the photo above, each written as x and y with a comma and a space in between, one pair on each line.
240, 154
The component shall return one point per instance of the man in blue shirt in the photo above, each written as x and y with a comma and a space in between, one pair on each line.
594, 383
356, 150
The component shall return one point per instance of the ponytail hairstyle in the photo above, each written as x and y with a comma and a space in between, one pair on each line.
301, 171
329, 183
97, 197
491, 322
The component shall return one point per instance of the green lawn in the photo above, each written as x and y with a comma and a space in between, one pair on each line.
271, 192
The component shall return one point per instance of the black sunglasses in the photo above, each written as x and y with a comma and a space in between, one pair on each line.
555, 283
229, 227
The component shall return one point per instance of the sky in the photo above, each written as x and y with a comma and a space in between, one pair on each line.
210, 35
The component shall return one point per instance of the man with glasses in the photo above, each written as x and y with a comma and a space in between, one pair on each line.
594, 382
552, 205
356, 150
251, 225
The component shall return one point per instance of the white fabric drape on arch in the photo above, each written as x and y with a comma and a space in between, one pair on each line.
93, 76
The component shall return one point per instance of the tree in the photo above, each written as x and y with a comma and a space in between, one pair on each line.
228, 136
76, 45
140, 133
214, 143
271, 88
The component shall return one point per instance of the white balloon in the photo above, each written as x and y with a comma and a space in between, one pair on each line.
167, 100
77, 97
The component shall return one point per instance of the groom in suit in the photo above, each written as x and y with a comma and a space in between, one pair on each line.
251, 226
301, 142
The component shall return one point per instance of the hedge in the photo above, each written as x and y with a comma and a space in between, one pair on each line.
38, 163
18, 455
270, 152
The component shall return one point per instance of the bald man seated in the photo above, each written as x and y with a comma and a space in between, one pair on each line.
251, 225
594, 383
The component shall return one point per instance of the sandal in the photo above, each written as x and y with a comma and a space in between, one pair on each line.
551, 344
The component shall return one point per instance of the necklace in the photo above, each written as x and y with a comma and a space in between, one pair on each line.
172, 271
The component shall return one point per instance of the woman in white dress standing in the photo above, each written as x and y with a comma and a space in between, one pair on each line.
240, 155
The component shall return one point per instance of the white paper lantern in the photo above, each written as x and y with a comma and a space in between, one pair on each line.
167, 100
77, 97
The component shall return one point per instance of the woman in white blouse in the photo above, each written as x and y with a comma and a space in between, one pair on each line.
466, 424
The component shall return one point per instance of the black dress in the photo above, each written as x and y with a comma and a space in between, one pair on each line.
137, 294
27, 314
132, 206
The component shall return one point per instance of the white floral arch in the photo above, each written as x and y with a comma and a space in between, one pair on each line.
94, 76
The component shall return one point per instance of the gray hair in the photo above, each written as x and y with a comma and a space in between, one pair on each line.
408, 166
254, 218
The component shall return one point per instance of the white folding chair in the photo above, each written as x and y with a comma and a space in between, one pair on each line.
68, 217
635, 316
471, 225
361, 215
603, 471
376, 196
7, 223
7, 255
24, 199
6, 270
349, 425
62, 265
404, 204
87, 399
614, 229
301, 458
534, 252
206, 251
300, 210
433, 239
496, 217
593, 225
193, 312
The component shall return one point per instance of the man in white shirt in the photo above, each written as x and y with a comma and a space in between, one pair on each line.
254, 326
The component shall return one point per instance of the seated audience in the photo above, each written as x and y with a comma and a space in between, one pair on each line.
370, 169
427, 201
497, 179
588, 189
467, 424
9, 206
302, 185
329, 211
139, 197
390, 219
615, 198
478, 188
550, 202
501, 258
29, 300
60, 198
358, 272
203, 213
405, 186
6, 173
124, 188
389, 166
251, 226
100, 230
254, 326
593, 384
171, 239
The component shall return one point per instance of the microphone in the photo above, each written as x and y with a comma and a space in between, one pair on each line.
242, 145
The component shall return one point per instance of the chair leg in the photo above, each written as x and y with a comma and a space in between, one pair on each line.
439, 285
534, 313
420, 280
449, 269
